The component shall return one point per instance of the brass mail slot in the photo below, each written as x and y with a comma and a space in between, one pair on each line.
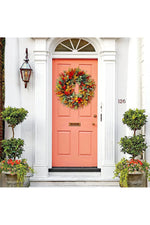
75, 124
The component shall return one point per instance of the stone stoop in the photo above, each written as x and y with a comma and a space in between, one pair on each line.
73, 179
73, 184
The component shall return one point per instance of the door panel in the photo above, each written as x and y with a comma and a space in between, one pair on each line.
64, 146
74, 146
85, 142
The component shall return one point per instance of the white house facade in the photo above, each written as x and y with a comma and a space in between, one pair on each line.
123, 78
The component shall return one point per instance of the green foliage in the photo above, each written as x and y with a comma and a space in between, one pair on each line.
19, 167
133, 145
134, 119
13, 147
124, 167
22, 169
14, 116
121, 171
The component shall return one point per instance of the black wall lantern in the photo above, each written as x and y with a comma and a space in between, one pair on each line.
26, 70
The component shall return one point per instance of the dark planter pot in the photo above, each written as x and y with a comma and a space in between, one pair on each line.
137, 180
11, 181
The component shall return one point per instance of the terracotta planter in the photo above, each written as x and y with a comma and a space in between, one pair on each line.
137, 180
11, 180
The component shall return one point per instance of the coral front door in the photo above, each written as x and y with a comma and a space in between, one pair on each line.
74, 137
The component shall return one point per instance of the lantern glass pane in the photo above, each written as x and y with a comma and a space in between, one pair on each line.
26, 74
25, 65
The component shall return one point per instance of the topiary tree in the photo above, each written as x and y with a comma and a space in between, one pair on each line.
13, 116
135, 120
13, 148
134, 145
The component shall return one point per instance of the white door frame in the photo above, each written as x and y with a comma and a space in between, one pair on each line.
71, 55
105, 53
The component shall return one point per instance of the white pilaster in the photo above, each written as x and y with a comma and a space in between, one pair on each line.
41, 147
12, 80
107, 67
133, 77
146, 91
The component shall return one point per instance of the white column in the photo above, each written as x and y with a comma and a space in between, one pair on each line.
146, 92
41, 147
12, 80
107, 67
133, 77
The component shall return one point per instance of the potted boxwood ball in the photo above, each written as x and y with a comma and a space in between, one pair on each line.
133, 172
13, 166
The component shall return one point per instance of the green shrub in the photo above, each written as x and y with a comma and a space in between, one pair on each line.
19, 167
135, 119
13, 147
125, 167
14, 116
133, 145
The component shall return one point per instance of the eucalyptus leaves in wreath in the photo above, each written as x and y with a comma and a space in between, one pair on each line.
134, 145
65, 88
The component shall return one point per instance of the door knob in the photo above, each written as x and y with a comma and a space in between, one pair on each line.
93, 124
95, 116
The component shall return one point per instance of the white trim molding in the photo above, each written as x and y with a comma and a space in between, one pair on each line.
106, 55
41, 147
108, 106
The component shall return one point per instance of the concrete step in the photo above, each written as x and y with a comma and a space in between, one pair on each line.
73, 179
74, 183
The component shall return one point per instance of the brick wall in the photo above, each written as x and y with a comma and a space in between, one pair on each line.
1, 101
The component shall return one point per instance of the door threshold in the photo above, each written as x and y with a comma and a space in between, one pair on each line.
74, 169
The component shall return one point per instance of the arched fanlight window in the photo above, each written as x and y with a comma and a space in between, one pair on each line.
74, 45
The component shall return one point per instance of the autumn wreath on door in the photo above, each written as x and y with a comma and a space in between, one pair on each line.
65, 88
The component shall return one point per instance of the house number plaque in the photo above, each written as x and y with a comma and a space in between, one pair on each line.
75, 124
121, 101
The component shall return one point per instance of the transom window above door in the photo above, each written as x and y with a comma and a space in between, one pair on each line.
75, 45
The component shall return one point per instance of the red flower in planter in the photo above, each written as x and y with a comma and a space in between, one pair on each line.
9, 161
140, 162
136, 161
17, 162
